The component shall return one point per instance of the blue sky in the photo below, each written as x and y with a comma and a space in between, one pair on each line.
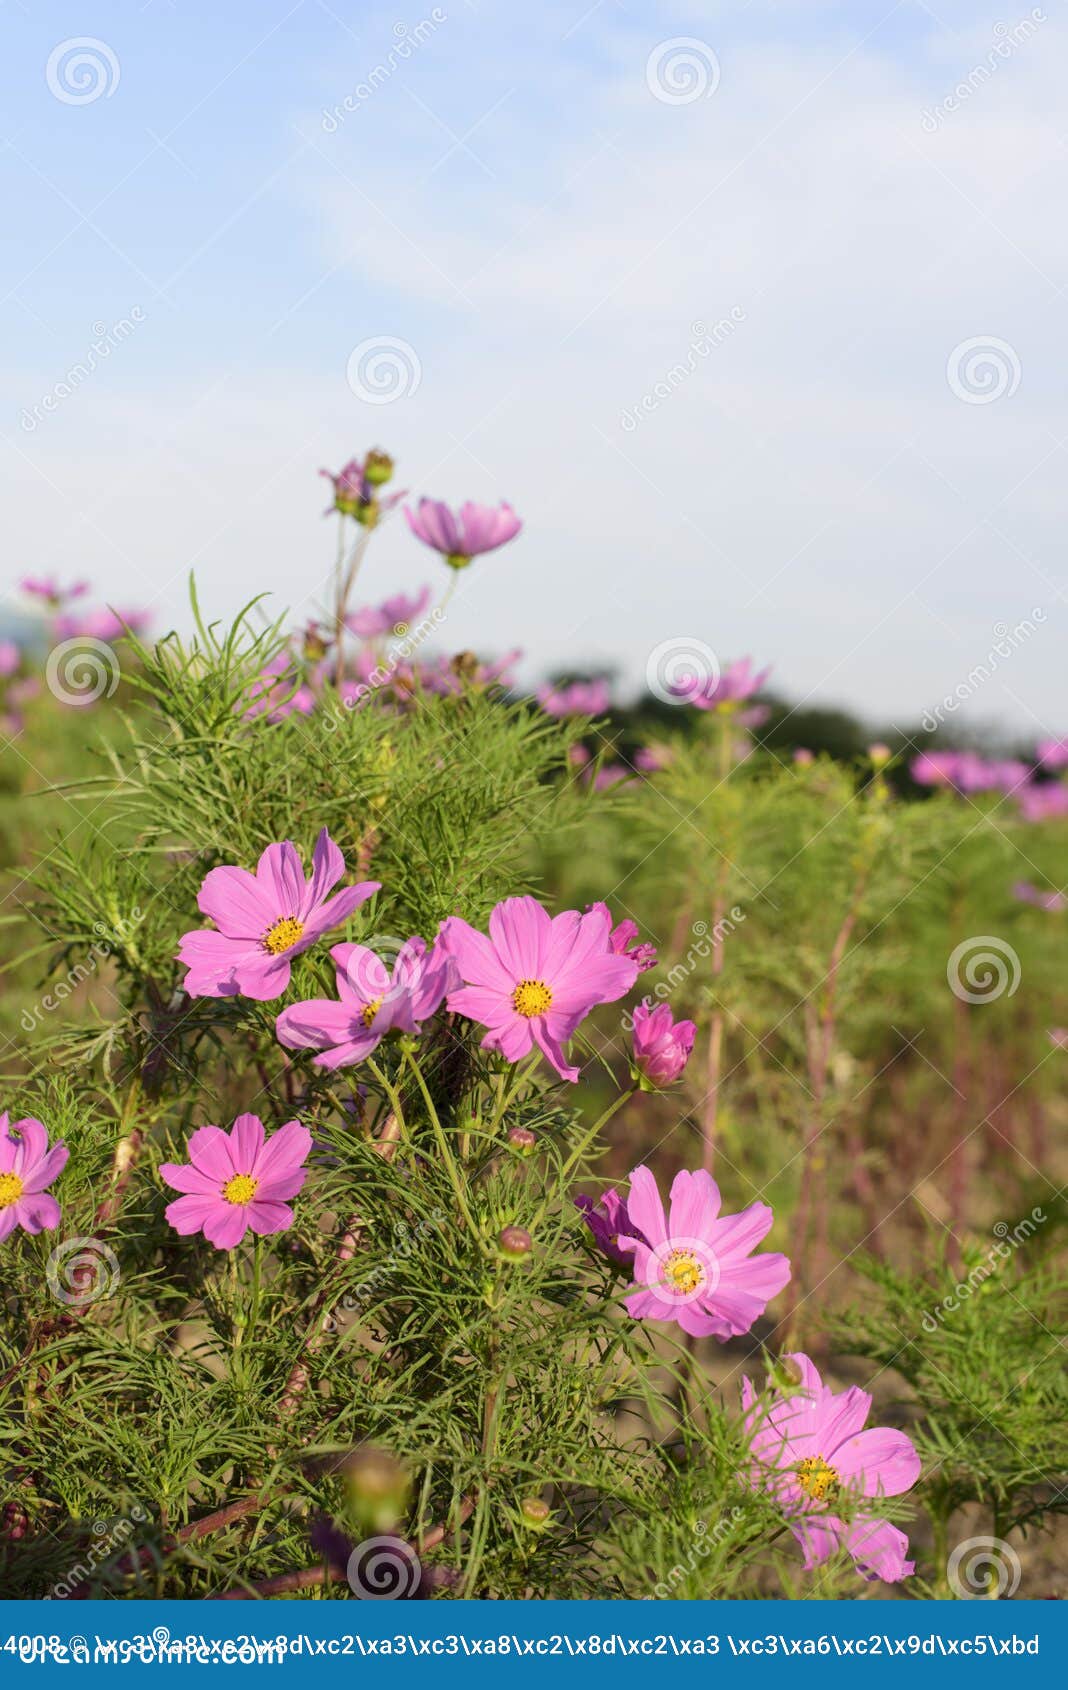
515, 201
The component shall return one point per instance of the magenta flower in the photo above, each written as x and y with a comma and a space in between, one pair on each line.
47, 587
581, 698
606, 1219
356, 489
459, 538
736, 682
1058, 1037
650, 759
535, 977
621, 940
10, 658
662, 1045
266, 919
277, 692
450, 675
27, 1166
238, 1180
803, 757
393, 616
372, 1001
1027, 893
809, 1448
1043, 803
697, 1266
1053, 753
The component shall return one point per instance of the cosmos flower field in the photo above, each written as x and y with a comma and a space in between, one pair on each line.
462, 1141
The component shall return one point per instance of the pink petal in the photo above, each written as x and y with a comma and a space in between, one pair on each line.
879, 1549
328, 865
839, 1415
182, 1177
46, 1170
210, 1151
645, 1208
246, 1142
551, 1047
284, 1150
694, 1206
32, 1143
735, 1236
361, 974
475, 956
883, 1460
513, 1038
38, 1212
188, 1214
226, 1225
520, 930
281, 878
266, 1217
335, 911
317, 1024
234, 900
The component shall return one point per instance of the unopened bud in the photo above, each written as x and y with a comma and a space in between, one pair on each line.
785, 1374
880, 754
378, 467
535, 1513
378, 1488
515, 1243
521, 1138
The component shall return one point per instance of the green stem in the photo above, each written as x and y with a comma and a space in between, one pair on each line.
455, 1178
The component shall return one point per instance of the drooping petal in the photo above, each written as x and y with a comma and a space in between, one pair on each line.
42, 1173
317, 1024
550, 1045
38, 1212
879, 1549
882, 1461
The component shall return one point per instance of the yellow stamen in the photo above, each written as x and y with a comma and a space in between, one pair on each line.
370, 1010
531, 997
282, 935
816, 1477
683, 1272
241, 1189
10, 1190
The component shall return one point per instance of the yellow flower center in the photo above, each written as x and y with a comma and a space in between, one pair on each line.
241, 1189
531, 997
683, 1272
10, 1190
282, 935
370, 1010
816, 1477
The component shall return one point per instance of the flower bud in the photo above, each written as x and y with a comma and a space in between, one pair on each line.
522, 1139
880, 754
378, 1486
515, 1243
378, 467
535, 1513
785, 1375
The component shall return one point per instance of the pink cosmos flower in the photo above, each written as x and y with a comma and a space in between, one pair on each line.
736, 682
266, 919
1058, 1037
1027, 893
1042, 803
102, 624
10, 658
393, 614
459, 538
581, 698
810, 1447
450, 675
27, 1166
803, 757
275, 692
373, 1002
1053, 753
697, 1266
621, 940
47, 587
662, 1045
608, 775
238, 1180
606, 1219
535, 977
650, 759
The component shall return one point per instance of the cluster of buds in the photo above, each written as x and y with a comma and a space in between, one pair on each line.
356, 488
